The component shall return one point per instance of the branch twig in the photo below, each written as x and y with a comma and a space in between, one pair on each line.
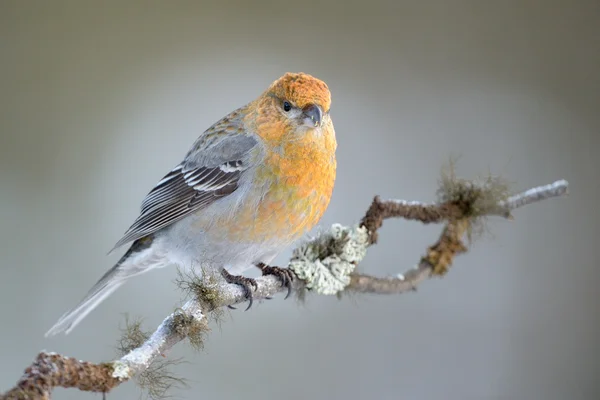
459, 210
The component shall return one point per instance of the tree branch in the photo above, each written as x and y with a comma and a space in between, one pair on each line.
439, 257
461, 205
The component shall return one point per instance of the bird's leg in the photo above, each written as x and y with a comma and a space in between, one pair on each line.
286, 275
244, 282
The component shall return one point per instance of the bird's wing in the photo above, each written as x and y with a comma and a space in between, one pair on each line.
211, 170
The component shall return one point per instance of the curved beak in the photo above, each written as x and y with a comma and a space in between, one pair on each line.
313, 115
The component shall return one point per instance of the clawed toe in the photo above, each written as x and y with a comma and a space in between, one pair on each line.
286, 275
244, 282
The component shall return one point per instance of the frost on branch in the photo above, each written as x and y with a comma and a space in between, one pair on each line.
326, 262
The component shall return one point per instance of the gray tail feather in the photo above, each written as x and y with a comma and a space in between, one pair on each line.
101, 290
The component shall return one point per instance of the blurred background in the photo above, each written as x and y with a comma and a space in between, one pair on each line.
100, 99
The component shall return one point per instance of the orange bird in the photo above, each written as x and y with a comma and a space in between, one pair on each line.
250, 185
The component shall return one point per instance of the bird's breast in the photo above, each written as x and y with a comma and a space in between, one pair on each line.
290, 191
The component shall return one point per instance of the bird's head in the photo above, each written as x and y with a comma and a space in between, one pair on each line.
300, 99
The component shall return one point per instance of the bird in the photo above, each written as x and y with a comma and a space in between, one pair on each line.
252, 184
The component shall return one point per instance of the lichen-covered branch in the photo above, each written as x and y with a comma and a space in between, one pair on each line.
324, 265
439, 257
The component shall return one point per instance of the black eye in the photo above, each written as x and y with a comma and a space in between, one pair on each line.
286, 106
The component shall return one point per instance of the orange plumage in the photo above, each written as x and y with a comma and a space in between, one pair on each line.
296, 177
250, 185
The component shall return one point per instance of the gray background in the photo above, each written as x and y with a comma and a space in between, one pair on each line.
98, 102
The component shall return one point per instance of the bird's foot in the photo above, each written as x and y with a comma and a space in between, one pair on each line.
286, 275
246, 283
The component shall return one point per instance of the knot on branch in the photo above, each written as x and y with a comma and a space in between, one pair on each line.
326, 262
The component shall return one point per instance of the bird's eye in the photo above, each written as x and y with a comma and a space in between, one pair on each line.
287, 106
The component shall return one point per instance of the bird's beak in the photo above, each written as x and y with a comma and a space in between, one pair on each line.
313, 115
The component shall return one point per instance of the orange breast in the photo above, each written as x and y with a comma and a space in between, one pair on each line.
295, 185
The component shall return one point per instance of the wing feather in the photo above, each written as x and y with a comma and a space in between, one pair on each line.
205, 176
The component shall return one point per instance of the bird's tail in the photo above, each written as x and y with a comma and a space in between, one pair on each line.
140, 258
101, 290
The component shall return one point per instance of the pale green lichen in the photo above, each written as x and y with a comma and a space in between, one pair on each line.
132, 336
192, 328
477, 198
326, 262
204, 286
156, 379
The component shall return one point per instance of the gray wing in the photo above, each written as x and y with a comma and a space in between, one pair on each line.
210, 171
